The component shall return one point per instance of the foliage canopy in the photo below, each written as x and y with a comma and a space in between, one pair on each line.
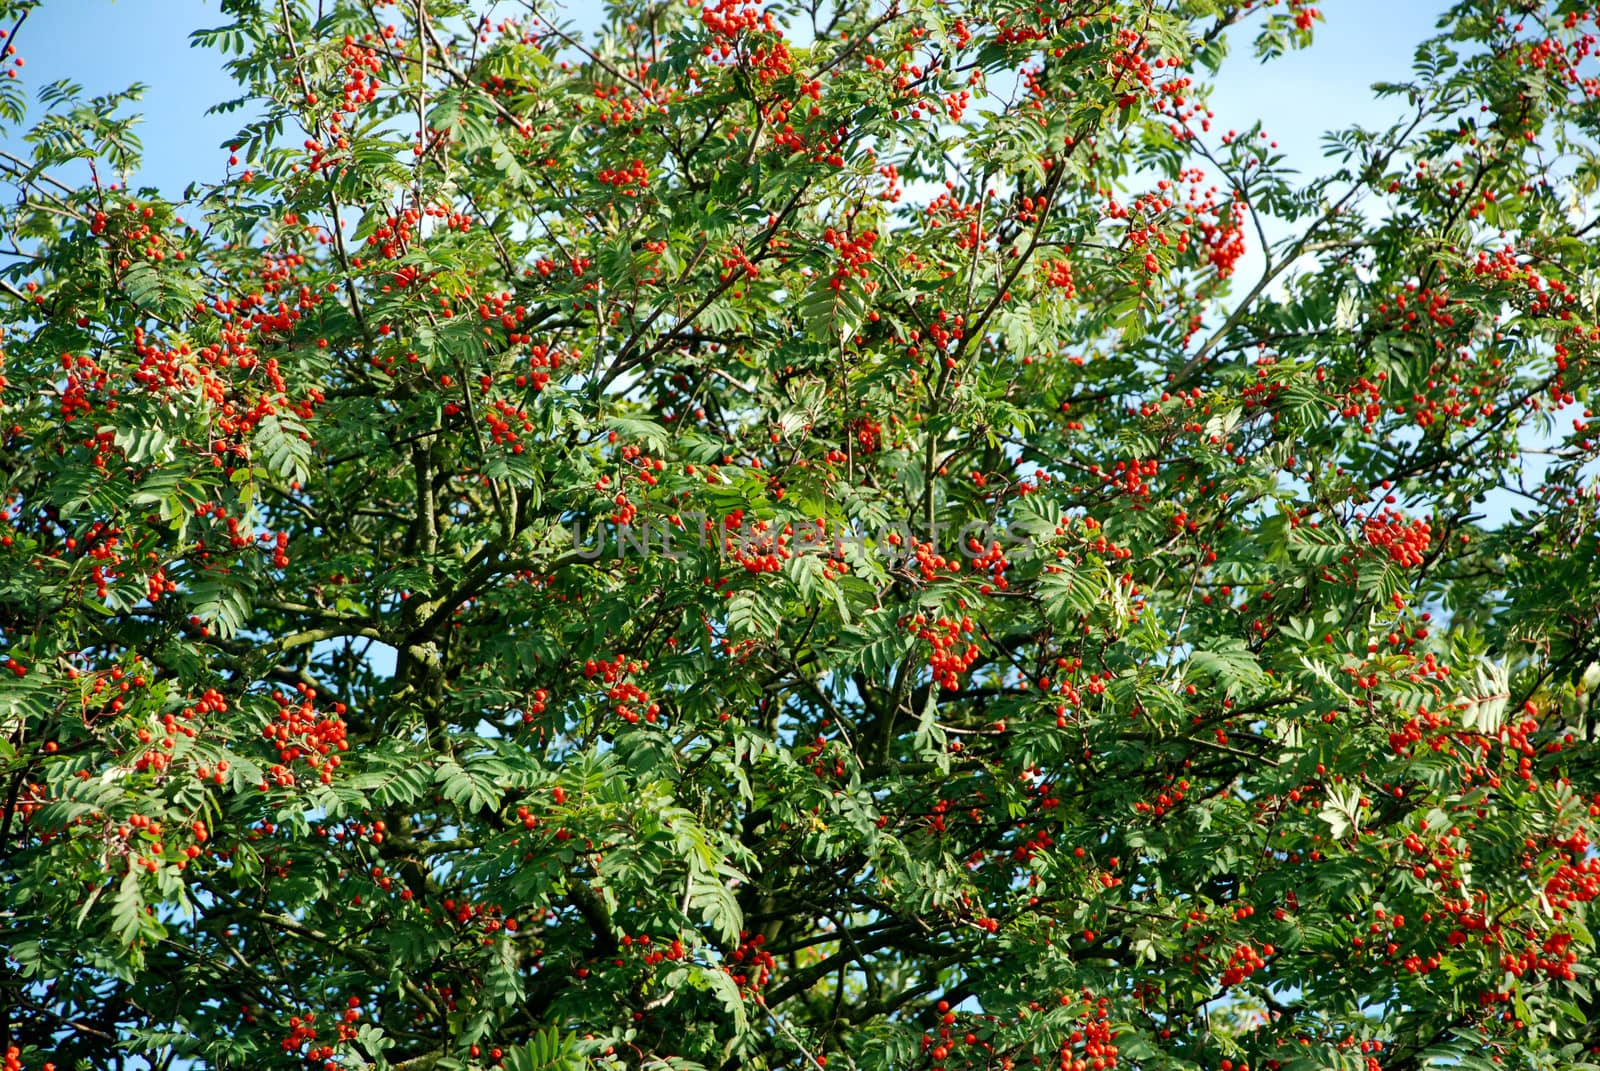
778, 537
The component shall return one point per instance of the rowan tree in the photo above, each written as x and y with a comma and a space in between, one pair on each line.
841, 533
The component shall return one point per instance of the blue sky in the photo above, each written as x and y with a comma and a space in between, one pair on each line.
106, 44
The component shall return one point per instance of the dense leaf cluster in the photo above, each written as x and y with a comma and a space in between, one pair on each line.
812, 535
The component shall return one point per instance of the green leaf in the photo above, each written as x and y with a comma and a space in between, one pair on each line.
474, 791
128, 909
834, 308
